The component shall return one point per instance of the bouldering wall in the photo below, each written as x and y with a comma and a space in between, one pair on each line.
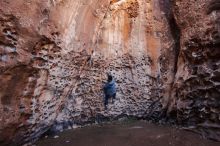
54, 56
37, 43
127, 45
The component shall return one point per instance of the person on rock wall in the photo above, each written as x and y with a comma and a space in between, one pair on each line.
109, 90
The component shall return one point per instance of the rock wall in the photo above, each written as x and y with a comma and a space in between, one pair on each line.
195, 94
128, 47
54, 56
38, 41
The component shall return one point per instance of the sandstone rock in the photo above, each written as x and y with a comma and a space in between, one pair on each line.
196, 87
54, 56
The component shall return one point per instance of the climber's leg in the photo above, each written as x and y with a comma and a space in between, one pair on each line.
106, 101
113, 97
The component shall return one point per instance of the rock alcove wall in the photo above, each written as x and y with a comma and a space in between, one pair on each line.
55, 54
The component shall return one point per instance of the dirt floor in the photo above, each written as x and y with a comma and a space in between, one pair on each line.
126, 134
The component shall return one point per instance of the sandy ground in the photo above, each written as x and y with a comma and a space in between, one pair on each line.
126, 134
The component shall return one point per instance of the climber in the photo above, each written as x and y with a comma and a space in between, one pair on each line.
109, 90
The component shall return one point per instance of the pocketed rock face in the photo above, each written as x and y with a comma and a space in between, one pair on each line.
127, 46
54, 56
36, 55
196, 89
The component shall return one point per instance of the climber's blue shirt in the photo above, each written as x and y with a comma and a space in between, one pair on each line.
110, 88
